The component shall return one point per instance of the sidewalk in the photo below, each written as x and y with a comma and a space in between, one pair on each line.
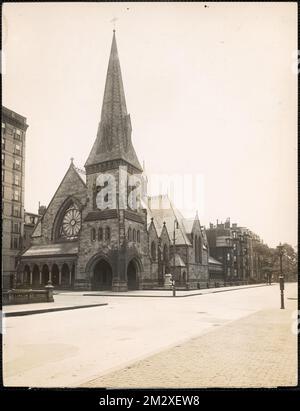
257, 351
168, 293
61, 303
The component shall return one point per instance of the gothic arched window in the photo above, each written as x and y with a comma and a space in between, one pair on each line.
196, 249
133, 235
138, 236
93, 234
200, 250
70, 223
129, 234
100, 234
166, 253
107, 233
153, 250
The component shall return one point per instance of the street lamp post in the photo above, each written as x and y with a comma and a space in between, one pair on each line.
281, 277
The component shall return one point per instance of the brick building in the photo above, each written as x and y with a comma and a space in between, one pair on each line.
89, 238
14, 128
236, 248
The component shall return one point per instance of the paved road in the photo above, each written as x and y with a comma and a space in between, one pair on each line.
71, 348
65, 299
257, 351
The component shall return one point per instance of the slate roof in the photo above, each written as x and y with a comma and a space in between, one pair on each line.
212, 260
113, 141
162, 210
81, 174
188, 224
65, 248
178, 261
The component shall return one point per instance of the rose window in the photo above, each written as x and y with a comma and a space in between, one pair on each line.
71, 223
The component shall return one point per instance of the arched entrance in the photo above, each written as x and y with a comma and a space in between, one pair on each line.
45, 275
35, 276
102, 276
72, 275
55, 275
65, 275
133, 275
26, 276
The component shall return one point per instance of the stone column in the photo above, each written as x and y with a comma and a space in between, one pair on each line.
50, 276
70, 276
30, 275
40, 276
59, 275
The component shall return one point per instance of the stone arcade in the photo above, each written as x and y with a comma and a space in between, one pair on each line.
77, 245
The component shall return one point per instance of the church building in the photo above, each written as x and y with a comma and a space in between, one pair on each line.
101, 231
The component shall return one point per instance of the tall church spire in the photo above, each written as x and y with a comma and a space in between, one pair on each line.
113, 140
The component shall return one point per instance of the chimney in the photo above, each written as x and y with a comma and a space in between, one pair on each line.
227, 223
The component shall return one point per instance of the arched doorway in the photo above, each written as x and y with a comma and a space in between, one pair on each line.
45, 274
73, 275
65, 275
55, 275
35, 276
102, 276
132, 275
26, 276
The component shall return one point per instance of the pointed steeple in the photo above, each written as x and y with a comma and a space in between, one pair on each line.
113, 140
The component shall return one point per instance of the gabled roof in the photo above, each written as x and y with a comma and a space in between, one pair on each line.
178, 261
81, 174
71, 171
152, 225
162, 229
188, 224
162, 210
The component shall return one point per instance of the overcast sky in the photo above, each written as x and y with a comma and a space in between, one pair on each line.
210, 91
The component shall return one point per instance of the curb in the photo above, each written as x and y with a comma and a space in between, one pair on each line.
177, 296
49, 310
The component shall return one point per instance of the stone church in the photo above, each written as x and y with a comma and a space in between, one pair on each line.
91, 240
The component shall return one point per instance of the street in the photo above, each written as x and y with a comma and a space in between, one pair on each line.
80, 347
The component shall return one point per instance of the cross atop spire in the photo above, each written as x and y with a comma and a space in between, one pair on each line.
113, 140
114, 23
